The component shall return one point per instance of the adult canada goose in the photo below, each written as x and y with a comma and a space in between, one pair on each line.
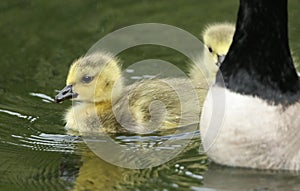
258, 88
105, 104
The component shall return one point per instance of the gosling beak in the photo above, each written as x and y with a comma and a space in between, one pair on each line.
65, 93
221, 59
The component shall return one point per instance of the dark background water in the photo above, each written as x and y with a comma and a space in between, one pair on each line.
38, 42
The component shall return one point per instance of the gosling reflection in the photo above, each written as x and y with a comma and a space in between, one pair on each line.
239, 179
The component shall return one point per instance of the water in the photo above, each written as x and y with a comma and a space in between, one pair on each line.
40, 39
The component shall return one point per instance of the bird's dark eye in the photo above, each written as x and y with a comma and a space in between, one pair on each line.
210, 49
86, 79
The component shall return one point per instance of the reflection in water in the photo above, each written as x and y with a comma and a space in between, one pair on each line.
78, 168
179, 173
239, 179
140, 152
96, 174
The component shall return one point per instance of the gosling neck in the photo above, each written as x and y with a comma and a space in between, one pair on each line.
259, 61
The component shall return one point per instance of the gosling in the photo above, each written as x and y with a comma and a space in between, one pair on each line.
217, 39
104, 104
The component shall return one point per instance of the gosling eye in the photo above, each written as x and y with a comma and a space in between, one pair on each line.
210, 49
86, 79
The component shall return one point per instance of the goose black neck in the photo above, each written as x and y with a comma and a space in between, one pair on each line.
259, 61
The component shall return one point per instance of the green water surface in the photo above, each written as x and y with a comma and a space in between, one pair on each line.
40, 39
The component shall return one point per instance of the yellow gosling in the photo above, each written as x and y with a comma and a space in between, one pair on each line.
217, 39
104, 104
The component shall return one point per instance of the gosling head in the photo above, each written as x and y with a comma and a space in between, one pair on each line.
217, 39
92, 78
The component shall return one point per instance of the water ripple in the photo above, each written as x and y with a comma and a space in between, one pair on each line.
13, 113
45, 98
48, 142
